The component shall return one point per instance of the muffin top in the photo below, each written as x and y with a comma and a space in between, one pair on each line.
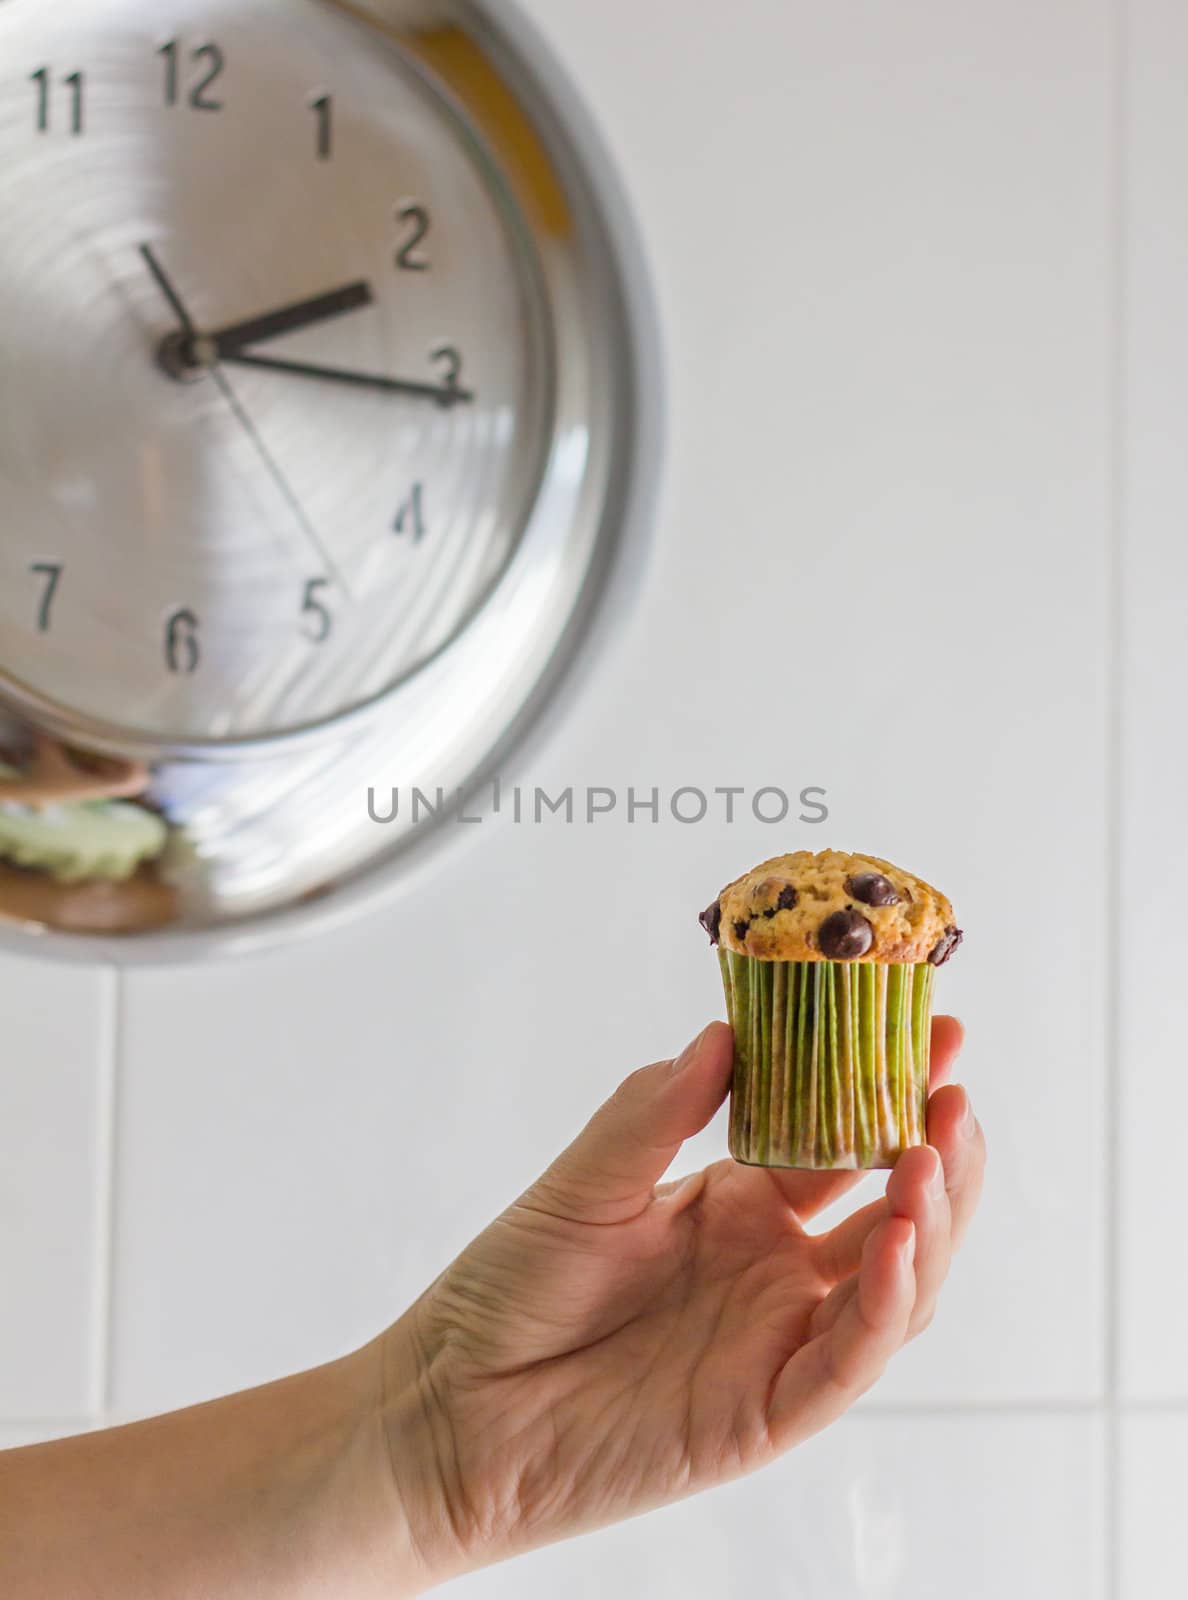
829, 905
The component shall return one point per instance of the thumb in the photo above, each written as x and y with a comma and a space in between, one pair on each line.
607, 1173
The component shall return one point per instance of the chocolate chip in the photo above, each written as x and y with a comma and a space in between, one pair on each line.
711, 920
945, 946
845, 936
783, 902
873, 889
740, 929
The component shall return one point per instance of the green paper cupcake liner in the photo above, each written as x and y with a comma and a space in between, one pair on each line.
830, 1060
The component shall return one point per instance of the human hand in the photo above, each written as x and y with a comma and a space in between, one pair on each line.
609, 1344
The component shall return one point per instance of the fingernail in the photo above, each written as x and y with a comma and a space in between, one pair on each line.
969, 1122
690, 1050
936, 1184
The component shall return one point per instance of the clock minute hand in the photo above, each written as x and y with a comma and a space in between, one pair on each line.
287, 319
445, 394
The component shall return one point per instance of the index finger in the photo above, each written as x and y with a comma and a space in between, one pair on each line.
948, 1035
957, 1136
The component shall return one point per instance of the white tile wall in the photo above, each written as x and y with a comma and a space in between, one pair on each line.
1154, 1533
54, 1125
884, 244
1154, 768
898, 1510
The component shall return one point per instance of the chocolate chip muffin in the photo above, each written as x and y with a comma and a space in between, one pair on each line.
832, 906
828, 962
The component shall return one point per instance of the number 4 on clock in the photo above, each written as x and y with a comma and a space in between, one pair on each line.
410, 518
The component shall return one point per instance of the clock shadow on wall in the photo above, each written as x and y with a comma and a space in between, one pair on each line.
328, 428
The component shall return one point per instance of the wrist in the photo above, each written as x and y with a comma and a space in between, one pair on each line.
358, 1531
421, 1457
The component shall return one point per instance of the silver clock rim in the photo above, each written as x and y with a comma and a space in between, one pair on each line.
612, 513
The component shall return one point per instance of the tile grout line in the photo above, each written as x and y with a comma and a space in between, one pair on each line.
932, 1410
1116, 458
1153, 1405
101, 1375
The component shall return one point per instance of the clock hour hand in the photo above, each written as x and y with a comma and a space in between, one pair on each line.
302, 314
445, 394
187, 353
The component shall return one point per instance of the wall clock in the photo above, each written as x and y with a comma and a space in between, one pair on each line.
324, 412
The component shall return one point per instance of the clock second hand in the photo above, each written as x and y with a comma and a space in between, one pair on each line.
180, 311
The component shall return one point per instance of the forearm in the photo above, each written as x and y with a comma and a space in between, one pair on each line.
284, 1490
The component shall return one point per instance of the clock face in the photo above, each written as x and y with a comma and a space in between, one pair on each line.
278, 368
